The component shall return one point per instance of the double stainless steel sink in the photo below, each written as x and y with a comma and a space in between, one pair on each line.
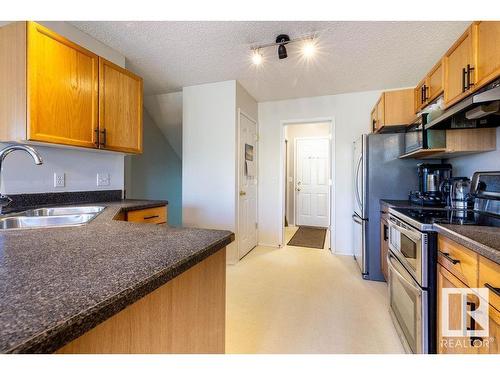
50, 217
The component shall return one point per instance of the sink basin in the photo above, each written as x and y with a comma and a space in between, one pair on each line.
23, 222
68, 210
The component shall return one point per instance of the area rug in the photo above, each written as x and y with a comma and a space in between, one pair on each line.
309, 237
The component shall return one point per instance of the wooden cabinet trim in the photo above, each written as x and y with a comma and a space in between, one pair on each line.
13, 82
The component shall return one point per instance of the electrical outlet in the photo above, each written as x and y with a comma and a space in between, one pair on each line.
103, 179
59, 179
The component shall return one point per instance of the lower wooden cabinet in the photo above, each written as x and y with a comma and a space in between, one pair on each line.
155, 215
460, 267
452, 345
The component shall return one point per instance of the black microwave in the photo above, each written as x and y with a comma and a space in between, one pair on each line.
418, 138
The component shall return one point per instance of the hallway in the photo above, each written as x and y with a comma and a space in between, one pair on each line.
302, 300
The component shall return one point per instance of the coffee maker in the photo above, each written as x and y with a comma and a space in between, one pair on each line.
430, 178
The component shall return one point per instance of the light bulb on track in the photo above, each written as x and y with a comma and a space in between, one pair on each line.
309, 48
256, 57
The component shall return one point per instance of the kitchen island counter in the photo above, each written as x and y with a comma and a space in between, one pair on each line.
58, 283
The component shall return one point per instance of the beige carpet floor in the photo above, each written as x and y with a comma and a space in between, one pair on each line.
300, 300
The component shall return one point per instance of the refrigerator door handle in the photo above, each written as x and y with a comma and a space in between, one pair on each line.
357, 219
356, 179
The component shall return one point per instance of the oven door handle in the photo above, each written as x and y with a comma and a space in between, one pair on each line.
408, 281
405, 231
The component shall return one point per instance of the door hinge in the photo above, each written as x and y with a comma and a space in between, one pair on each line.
256, 225
256, 137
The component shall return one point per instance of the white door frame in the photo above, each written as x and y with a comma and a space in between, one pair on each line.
238, 171
295, 215
282, 176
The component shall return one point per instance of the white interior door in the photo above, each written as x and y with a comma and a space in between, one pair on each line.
247, 220
312, 182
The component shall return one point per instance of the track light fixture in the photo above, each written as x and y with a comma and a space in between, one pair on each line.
282, 40
308, 47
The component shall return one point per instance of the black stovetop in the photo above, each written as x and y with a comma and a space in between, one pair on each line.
444, 216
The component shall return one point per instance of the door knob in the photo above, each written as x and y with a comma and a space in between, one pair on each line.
298, 189
242, 193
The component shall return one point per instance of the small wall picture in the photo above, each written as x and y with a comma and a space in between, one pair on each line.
248, 152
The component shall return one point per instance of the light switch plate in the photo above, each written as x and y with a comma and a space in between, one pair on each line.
59, 179
103, 179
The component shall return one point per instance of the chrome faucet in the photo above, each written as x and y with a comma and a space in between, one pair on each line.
4, 199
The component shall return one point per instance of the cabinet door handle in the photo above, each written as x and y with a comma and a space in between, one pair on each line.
151, 217
472, 326
103, 132
447, 256
96, 131
464, 75
386, 237
493, 289
425, 93
469, 70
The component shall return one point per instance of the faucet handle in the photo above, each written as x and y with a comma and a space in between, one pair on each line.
4, 201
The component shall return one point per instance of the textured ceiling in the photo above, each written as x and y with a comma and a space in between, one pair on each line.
352, 56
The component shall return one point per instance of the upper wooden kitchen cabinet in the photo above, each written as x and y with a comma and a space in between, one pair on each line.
487, 46
430, 87
459, 68
473, 61
120, 108
394, 110
54, 91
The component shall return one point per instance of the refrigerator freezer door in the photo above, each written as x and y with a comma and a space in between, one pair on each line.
359, 243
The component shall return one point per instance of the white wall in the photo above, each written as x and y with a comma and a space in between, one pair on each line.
209, 155
293, 132
351, 114
486, 161
81, 166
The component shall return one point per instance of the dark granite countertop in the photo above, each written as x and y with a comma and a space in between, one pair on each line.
58, 283
406, 204
483, 240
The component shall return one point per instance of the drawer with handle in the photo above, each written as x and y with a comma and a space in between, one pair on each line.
489, 277
155, 215
460, 261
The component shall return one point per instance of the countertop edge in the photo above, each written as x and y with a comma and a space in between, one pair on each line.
55, 338
468, 242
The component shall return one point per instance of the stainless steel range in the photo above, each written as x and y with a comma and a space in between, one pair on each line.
412, 259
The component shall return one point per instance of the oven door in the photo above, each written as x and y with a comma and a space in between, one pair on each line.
408, 245
408, 307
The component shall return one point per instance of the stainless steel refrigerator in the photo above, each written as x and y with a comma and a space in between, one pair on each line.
378, 174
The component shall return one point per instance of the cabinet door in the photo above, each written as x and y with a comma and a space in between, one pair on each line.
373, 119
453, 345
62, 89
455, 68
435, 82
420, 99
488, 51
380, 112
120, 108
384, 246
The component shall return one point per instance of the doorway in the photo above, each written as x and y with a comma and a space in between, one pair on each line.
247, 184
307, 170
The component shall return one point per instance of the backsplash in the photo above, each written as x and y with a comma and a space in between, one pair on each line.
486, 161
20, 175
